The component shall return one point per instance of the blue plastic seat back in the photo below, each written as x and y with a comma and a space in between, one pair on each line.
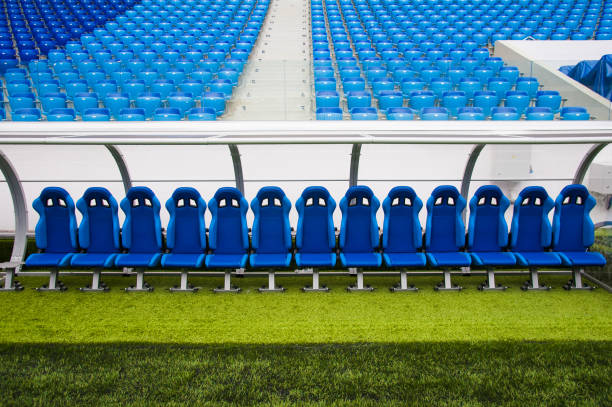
142, 226
402, 228
531, 230
359, 228
186, 228
573, 229
56, 230
315, 228
228, 228
445, 231
99, 228
271, 228
487, 227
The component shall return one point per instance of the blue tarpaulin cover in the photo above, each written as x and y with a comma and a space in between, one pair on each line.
597, 75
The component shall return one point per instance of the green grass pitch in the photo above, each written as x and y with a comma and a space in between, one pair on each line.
469, 348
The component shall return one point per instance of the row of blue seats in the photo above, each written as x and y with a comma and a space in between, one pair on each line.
483, 25
40, 26
461, 113
104, 114
394, 76
98, 241
131, 63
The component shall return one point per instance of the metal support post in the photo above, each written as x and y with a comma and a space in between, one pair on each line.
185, 286
272, 288
359, 286
227, 285
447, 285
576, 282
315, 284
490, 283
96, 284
403, 285
141, 285
534, 282
10, 284
54, 283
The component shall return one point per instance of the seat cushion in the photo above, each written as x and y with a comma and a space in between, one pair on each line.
237, 260
191, 260
582, 259
449, 259
361, 259
538, 259
405, 259
315, 259
49, 259
493, 259
138, 260
270, 259
93, 260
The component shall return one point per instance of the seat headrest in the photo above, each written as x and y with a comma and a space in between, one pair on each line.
270, 193
532, 195
359, 191
316, 193
54, 193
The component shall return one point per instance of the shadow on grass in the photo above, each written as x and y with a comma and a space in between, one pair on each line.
421, 374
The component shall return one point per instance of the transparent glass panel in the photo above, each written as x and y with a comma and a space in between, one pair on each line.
598, 180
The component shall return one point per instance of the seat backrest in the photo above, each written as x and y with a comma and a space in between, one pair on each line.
573, 229
186, 228
531, 230
56, 230
271, 228
99, 228
487, 227
142, 226
402, 228
445, 231
315, 228
359, 228
228, 228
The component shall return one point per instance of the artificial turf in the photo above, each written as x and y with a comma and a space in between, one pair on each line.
428, 348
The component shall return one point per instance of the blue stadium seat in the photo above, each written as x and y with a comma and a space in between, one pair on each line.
574, 113
400, 113
149, 101
96, 115
186, 234
167, 114
115, 102
98, 232
549, 98
271, 236
214, 100
27, 114
131, 115
359, 238
402, 233
420, 99
22, 101
228, 238
315, 238
390, 99
504, 113
364, 113
327, 98
488, 232
202, 114
329, 113
61, 115
434, 113
517, 99
141, 232
445, 232
531, 233
454, 100
56, 232
539, 113
470, 113
358, 99
573, 229
52, 101
84, 101
529, 85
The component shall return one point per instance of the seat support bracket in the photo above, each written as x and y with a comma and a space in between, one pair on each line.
272, 288
10, 284
534, 283
141, 285
227, 285
185, 287
403, 285
490, 285
359, 286
447, 285
54, 283
96, 284
316, 287
576, 282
